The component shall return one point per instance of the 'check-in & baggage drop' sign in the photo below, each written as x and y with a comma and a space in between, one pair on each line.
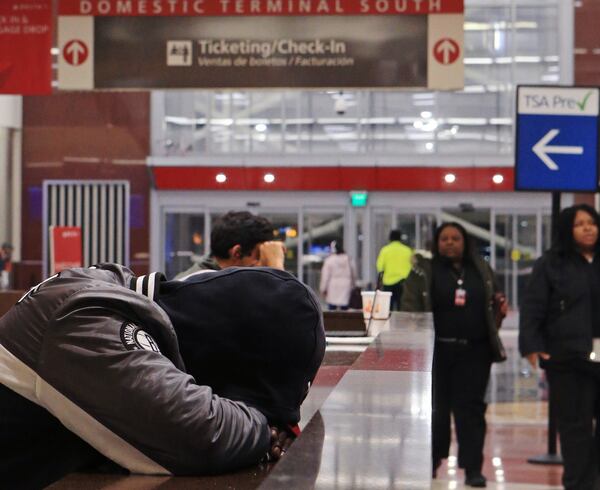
260, 43
25, 43
557, 138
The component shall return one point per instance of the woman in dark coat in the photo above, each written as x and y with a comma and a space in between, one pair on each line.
560, 325
459, 288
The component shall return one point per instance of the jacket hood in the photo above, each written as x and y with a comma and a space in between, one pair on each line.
253, 334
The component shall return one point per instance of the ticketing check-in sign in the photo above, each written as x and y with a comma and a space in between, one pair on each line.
557, 138
114, 44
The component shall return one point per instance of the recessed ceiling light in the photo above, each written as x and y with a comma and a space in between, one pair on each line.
498, 179
449, 178
220, 178
268, 178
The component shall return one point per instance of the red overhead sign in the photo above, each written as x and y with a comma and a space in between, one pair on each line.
25, 42
258, 7
65, 248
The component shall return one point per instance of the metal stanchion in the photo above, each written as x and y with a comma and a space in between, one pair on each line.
551, 457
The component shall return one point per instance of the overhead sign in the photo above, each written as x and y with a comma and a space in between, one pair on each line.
252, 44
25, 43
557, 138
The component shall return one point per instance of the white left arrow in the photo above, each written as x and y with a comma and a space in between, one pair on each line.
541, 149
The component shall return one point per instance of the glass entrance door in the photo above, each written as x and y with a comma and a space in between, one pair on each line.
417, 229
319, 230
516, 248
185, 241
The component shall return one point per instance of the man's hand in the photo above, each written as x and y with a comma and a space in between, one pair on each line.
280, 443
533, 358
272, 254
503, 306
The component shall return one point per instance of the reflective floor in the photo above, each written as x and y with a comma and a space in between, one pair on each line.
516, 417
363, 426
517, 428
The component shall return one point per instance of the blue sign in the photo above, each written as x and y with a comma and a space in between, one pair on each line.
557, 139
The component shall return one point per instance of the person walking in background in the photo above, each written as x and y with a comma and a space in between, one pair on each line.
560, 326
460, 289
337, 277
5, 264
394, 263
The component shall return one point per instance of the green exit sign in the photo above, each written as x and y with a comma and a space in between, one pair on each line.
358, 199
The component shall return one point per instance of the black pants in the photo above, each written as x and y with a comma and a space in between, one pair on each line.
575, 387
396, 290
460, 378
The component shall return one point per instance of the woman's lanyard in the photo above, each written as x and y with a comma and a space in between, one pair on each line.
460, 294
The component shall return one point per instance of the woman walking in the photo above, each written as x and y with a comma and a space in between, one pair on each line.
560, 325
460, 289
337, 277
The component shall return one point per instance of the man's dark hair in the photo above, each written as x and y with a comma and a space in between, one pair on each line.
238, 228
563, 242
395, 235
467, 251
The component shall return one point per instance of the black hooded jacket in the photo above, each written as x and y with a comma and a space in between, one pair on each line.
253, 334
555, 314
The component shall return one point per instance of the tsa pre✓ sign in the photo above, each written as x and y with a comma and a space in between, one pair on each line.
557, 138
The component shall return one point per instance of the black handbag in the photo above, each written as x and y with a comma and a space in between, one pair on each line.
498, 351
355, 301
498, 299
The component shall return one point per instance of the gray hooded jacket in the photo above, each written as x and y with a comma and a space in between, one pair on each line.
93, 348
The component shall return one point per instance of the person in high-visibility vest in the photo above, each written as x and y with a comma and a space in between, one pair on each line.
394, 263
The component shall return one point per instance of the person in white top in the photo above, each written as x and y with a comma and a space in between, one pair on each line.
337, 277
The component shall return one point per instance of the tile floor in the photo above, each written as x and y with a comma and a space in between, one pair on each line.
517, 428
516, 416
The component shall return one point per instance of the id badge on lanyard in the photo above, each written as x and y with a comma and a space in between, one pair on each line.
460, 294
460, 297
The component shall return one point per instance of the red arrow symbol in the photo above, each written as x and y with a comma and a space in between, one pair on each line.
446, 51
75, 52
